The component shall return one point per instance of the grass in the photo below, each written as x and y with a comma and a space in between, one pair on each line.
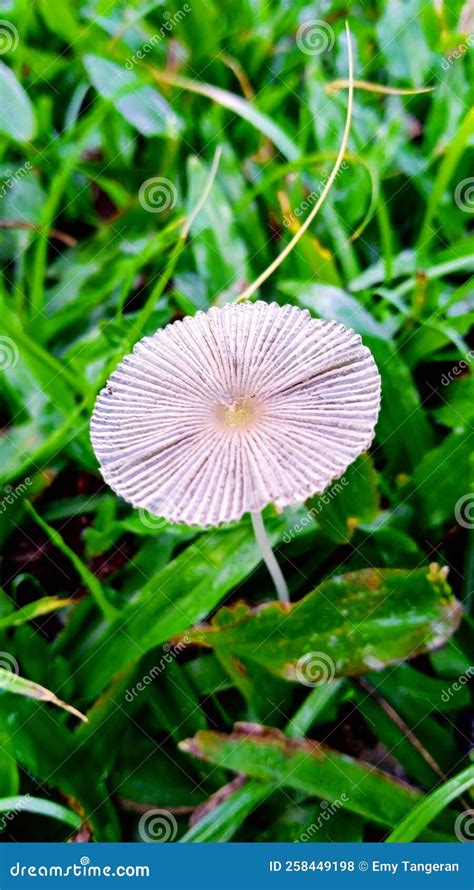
154, 161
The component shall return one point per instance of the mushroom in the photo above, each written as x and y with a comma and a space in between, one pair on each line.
241, 406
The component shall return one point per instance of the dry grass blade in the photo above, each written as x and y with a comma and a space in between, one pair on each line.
21, 686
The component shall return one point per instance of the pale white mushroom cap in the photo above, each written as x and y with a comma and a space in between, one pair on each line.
233, 409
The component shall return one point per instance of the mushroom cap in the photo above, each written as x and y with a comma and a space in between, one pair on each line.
232, 409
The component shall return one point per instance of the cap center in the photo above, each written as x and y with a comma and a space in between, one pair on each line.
239, 415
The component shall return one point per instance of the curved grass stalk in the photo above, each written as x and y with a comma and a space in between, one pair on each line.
250, 290
40, 806
342, 84
349, 156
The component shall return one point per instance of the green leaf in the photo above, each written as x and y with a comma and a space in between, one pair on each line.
60, 19
145, 773
402, 428
17, 118
351, 500
443, 478
9, 775
183, 593
51, 753
308, 766
408, 56
348, 625
141, 105
428, 808
88, 578
457, 408
28, 804
30, 611
334, 303
216, 245
246, 110
21, 686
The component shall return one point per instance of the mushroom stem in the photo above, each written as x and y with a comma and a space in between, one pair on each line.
269, 558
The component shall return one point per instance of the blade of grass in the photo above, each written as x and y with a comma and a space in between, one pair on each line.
425, 811
43, 606
236, 104
342, 84
26, 803
11, 682
249, 291
91, 582
445, 172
